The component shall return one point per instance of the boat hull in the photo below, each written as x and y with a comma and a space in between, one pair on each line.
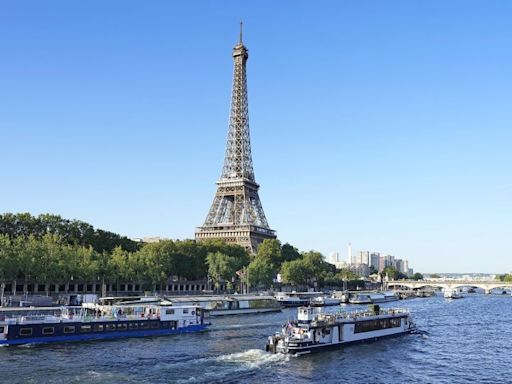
323, 347
103, 335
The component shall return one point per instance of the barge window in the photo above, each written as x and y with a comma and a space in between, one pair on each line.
155, 324
25, 331
169, 311
2, 329
69, 329
185, 310
122, 327
133, 325
48, 330
98, 328
110, 327
85, 328
144, 325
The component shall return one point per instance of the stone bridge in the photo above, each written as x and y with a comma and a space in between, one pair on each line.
486, 285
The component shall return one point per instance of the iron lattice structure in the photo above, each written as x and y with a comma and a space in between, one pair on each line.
236, 214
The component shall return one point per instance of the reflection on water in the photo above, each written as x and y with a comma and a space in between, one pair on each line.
463, 339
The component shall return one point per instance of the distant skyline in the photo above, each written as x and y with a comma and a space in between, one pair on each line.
384, 124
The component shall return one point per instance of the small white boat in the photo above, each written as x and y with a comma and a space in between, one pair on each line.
373, 297
313, 331
296, 299
324, 301
452, 294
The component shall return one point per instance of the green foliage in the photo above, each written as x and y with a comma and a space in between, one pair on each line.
70, 231
309, 269
434, 276
221, 267
260, 273
393, 273
269, 251
506, 277
289, 253
417, 276
347, 274
50, 259
52, 250
295, 272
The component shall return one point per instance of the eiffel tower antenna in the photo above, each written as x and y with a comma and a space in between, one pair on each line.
236, 214
241, 30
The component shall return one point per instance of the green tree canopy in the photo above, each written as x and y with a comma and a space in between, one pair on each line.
260, 273
221, 267
393, 273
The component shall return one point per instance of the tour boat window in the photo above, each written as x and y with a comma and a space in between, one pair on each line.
133, 325
69, 329
98, 328
185, 311
144, 325
110, 327
169, 311
25, 331
2, 329
48, 330
374, 325
85, 328
122, 327
155, 324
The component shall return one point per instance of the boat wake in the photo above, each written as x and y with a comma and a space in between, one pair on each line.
227, 367
252, 358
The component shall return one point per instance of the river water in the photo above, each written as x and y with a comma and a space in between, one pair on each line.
465, 341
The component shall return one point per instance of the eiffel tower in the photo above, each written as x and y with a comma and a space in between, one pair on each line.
236, 215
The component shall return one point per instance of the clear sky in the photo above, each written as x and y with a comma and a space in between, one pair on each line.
387, 124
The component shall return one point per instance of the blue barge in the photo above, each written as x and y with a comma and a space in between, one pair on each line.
101, 322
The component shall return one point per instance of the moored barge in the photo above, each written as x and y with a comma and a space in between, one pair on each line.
102, 322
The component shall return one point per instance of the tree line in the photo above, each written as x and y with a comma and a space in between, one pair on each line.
74, 232
48, 249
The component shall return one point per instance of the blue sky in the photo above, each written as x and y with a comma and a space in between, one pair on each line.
382, 123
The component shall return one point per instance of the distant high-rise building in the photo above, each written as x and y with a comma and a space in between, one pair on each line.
349, 253
386, 261
362, 257
374, 260
334, 257
405, 267
399, 265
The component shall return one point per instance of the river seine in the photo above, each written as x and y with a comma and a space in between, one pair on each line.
465, 341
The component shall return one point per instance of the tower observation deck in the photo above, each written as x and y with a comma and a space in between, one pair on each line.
236, 214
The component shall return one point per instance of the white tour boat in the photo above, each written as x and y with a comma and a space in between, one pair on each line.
373, 297
452, 294
314, 331
324, 301
296, 299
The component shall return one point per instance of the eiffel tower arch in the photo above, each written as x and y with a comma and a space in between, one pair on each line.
236, 214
